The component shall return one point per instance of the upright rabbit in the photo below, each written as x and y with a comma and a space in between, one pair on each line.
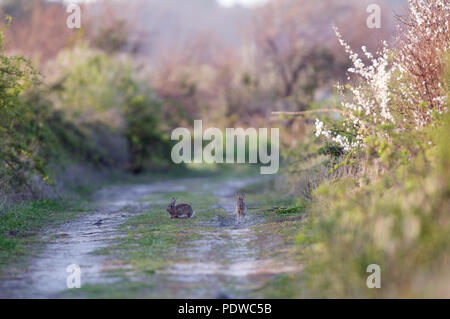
180, 210
241, 209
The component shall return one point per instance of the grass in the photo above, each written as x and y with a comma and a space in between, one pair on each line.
153, 242
20, 225
277, 236
284, 286
151, 236
397, 219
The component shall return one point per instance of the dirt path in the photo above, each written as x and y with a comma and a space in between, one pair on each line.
223, 263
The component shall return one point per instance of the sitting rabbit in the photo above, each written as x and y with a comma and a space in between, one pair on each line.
241, 209
180, 211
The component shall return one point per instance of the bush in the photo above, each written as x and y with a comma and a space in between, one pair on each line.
400, 222
113, 109
393, 209
398, 91
22, 128
148, 147
95, 110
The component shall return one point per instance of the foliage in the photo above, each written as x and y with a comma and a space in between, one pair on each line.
19, 224
148, 146
388, 202
94, 110
121, 118
21, 126
422, 46
112, 38
399, 222
388, 98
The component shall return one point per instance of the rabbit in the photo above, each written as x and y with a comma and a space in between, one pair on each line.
180, 210
241, 208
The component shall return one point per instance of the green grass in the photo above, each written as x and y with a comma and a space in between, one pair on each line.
153, 242
284, 219
20, 225
150, 244
122, 289
151, 236
398, 220
283, 286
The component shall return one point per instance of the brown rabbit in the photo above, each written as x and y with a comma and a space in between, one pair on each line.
241, 209
180, 211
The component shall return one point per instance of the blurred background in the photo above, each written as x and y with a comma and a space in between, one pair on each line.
109, 94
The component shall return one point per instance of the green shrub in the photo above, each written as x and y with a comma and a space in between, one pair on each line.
148, 146
117, 122
22, 128
399, 222
389, 201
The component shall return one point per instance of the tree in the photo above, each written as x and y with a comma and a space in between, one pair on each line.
294, 41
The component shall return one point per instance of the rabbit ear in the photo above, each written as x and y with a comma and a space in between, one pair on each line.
243, 195
236, 195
